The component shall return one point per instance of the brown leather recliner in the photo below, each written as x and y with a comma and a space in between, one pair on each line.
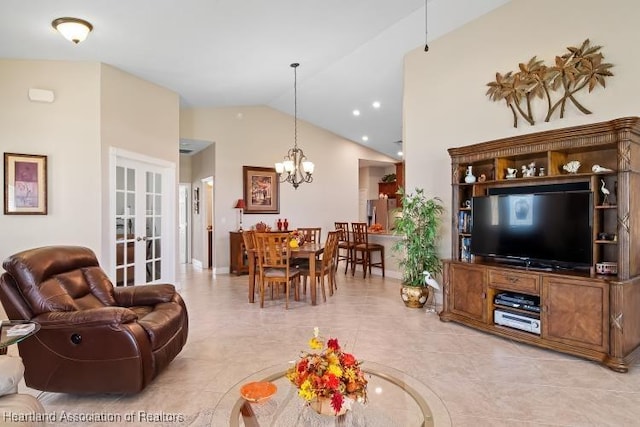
94, 337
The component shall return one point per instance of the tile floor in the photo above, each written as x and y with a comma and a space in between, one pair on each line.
480, 379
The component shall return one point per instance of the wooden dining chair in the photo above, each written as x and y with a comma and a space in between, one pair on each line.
311, 234
273, 263
325, 268
362, 249
249, 240
344, 244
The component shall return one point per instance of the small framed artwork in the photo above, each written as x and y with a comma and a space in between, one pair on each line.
25, 184
261, 190
196, 200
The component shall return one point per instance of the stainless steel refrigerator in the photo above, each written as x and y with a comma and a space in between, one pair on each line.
380, 211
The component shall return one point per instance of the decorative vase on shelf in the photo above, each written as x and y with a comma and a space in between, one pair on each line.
469, 176
285, 224
322, 406
279, 224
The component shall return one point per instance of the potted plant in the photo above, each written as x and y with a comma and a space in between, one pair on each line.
419, 225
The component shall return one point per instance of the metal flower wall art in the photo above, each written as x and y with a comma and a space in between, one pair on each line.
580, 68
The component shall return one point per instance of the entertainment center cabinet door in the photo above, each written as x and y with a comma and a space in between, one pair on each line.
575, 312
467, 290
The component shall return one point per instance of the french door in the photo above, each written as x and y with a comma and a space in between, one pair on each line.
142, 223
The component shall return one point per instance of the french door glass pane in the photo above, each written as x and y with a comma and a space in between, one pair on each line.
125, 225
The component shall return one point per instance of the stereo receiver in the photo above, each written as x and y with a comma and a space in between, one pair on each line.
517, 321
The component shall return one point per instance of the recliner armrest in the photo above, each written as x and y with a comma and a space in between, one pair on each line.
144, 294
88, 317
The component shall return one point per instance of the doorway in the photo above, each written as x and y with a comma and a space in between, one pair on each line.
141, 199
184, 225
207, 218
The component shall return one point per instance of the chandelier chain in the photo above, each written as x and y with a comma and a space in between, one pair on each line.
296, 166
295, 104
426, 26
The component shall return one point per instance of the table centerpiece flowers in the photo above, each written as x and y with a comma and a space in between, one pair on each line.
296, 238
328, 375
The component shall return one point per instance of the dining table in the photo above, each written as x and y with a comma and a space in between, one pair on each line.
308, 250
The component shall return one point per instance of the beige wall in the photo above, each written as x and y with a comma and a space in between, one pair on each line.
185, 169
67, 131
260, 136
96, 106
142, 118
444, 97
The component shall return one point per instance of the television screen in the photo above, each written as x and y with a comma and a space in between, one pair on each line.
547, 228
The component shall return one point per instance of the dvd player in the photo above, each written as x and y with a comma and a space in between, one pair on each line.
517, 321
529, 303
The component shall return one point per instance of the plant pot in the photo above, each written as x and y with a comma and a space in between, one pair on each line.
322, 405
414, 296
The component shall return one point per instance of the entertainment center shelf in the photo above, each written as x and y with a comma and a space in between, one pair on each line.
581, 312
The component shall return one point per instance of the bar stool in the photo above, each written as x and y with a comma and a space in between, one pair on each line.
362, 250
344, 244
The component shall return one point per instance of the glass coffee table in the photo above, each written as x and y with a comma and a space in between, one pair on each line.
6, 339
394, 399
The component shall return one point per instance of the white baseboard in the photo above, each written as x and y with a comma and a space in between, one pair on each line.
196, 263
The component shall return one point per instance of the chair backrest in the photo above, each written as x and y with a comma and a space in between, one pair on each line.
249, 239
60, 278
273, 250
360, 233
343, 231
311, 234
330, 248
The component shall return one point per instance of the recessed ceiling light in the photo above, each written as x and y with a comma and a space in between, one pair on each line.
376, 104
356, 112
365, 138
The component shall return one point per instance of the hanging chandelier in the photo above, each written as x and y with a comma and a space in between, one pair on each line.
298, 169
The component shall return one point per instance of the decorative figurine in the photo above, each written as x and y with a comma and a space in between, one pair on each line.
511, 173
541, 173
469, 176
572, 166
605, 192
600, 169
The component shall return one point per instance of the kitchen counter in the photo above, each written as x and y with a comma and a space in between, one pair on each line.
387, 239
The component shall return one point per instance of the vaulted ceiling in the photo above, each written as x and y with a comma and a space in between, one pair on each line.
237, 52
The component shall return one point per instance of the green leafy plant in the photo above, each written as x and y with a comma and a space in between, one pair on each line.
419, 226
391, 177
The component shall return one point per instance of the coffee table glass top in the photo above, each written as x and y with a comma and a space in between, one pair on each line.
6, 339
394, 399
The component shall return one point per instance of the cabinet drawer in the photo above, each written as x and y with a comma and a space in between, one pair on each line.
528, 283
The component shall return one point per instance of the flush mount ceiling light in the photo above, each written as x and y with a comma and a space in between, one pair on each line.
295, 163
73, 29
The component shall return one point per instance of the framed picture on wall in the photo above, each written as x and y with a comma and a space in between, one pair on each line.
25, 184
261, 190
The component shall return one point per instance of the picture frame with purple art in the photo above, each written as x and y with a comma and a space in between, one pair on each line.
25, 184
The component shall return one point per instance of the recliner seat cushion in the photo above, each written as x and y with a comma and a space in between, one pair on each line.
162, 323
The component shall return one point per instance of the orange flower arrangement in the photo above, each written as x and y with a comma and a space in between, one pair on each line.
330, 373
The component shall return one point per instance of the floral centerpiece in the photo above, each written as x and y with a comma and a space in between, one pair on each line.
328, 374
297, 238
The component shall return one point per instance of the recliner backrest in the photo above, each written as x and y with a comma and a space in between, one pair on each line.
60, 278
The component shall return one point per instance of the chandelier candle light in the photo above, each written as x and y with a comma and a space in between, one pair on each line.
298, 169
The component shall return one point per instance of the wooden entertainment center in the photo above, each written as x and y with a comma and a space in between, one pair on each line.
582, 313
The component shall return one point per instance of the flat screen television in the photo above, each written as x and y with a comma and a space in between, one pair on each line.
548, 230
